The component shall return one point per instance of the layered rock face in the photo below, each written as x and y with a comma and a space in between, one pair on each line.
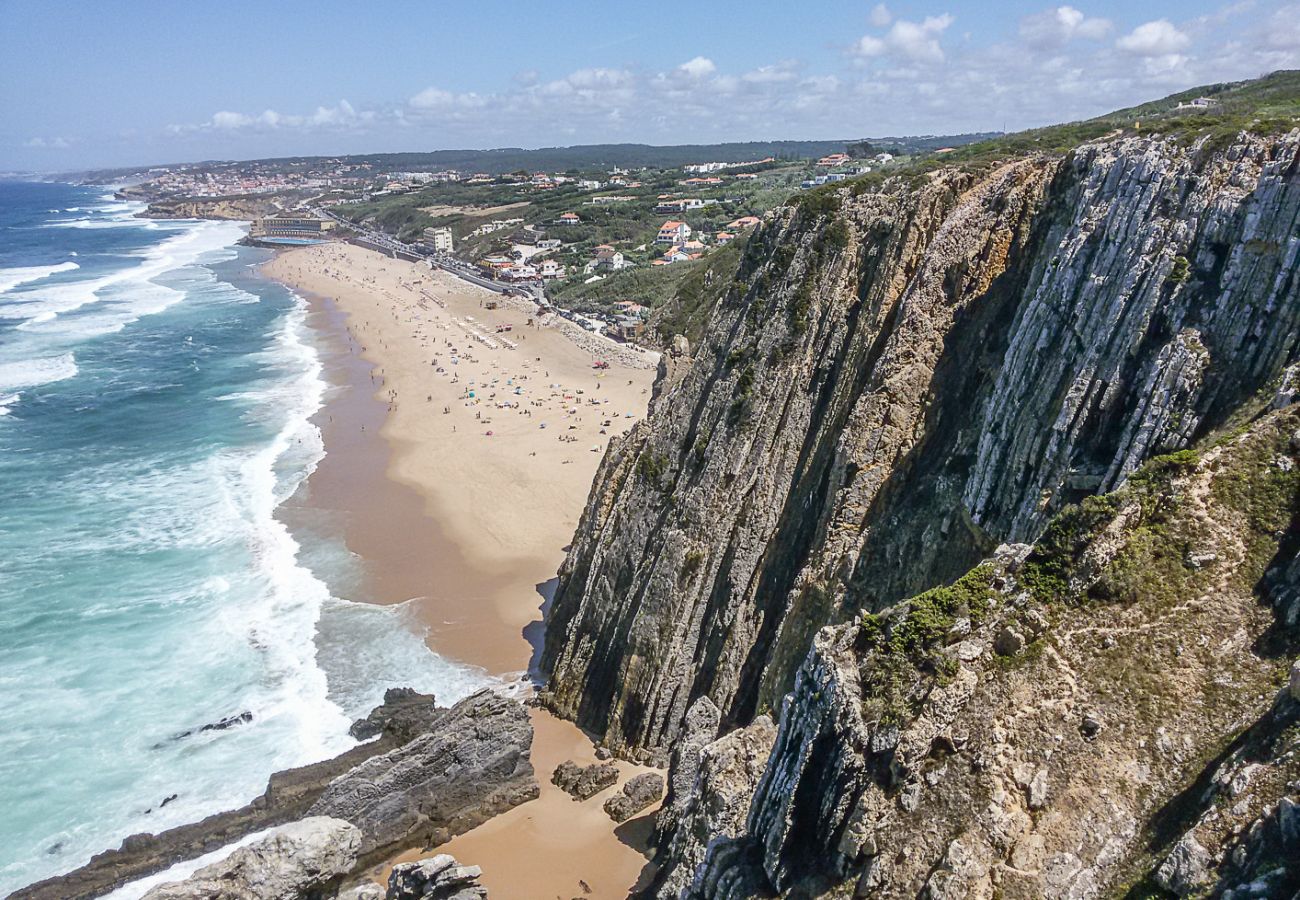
1111, 708
472, 765
899, 380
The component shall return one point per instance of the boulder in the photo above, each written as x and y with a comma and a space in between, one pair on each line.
637, 794
1186, 869
1008, 642
582, 782
404, 714
436, 878
303, 858
1294, 683
472, 765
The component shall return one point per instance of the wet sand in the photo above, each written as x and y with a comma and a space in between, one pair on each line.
465, 504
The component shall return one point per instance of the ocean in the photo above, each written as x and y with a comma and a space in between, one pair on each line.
155, 406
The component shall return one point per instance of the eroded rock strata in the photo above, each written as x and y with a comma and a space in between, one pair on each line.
898, 381
907, 379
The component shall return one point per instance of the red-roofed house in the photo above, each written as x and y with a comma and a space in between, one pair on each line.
672, 232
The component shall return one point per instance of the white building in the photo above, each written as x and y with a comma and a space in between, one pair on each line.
439, 239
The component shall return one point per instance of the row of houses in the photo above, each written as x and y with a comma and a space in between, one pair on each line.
505, 268
668, 204
496, 225
682, 248
706, 168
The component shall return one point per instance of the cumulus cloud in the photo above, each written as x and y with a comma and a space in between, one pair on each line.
227, 120
880, 16
1158, 38
340, 115
1054, 27
698, 67
43, 143
912, 41
433, 99
906, 76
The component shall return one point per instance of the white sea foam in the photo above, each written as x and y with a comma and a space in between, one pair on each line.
34, 372
125, 294
11, 278
182, 870
283, 625
31, 373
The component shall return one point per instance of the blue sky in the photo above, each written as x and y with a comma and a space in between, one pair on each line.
126, 83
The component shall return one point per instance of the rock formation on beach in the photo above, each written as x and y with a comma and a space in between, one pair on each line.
977, 505
307, 860
430, 773
470, 765
639, 793
302, 859
436, 878
583, 782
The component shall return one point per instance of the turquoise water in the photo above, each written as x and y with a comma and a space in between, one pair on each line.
155, 397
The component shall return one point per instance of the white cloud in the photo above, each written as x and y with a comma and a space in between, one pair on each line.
783, 71
226, 119
880, 16
908, 76
698, 67
432, 98
869, 45
1054, 27
42, 143
914, 41
1158, 38
341, 115
1283, 30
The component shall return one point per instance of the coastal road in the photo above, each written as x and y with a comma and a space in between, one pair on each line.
444, 261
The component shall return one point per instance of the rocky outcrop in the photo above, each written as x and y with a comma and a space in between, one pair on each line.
471, 766
404, 714
300, 860
1144, 732
709, 814
466, 764
436, 878
241, 209
583, 782
898, 380
638, 793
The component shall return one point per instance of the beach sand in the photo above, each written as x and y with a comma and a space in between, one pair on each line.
465, 503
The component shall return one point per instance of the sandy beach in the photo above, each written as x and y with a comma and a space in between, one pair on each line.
461, 474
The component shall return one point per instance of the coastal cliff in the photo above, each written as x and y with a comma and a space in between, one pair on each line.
898, 381
240, 209
1107, 708
903, 377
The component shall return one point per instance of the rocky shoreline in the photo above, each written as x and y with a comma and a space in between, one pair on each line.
430, 773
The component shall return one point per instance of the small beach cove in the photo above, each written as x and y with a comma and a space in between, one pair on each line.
458, 467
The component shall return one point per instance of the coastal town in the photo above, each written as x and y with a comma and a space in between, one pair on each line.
606, 246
